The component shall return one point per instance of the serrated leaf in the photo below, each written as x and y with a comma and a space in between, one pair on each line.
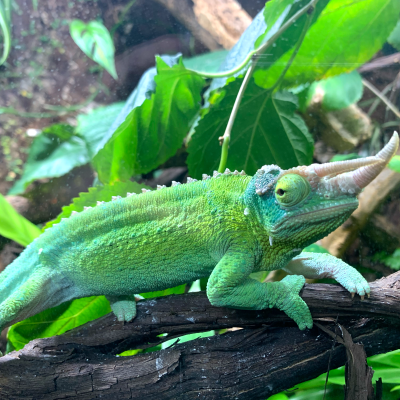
56, 151
95, 194
94, 132
95, 41
14, 226
337, 92
153, 131
207, 62
57, 320
266, 131
356, 31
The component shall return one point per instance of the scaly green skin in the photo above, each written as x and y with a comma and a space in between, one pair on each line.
227, 226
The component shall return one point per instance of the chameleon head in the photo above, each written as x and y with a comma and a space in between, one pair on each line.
304, 204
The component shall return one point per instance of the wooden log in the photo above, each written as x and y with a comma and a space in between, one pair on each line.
269, 355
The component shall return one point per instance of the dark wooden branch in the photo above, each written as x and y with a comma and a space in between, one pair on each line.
269, 355
381, 62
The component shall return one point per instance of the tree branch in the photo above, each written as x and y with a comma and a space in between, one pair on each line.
266, 357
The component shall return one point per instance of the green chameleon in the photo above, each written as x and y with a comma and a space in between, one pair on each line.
226, 227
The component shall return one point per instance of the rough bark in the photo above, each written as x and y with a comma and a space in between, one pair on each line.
267, 356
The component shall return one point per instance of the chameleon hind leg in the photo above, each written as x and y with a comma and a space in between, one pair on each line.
124, 307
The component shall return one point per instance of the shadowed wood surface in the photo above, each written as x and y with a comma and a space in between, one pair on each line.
269, 355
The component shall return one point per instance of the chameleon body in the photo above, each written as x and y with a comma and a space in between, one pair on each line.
226, 227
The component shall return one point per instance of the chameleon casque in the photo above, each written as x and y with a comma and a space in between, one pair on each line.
226, 226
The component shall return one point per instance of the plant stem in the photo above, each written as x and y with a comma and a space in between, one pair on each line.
227, 135
261, 48
383, 98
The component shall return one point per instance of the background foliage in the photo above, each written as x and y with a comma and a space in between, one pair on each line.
174, 104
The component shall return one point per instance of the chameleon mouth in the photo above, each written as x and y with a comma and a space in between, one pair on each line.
315, 215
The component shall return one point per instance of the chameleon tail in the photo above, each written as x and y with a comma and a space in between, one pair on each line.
27, 291
18, 272
23, 299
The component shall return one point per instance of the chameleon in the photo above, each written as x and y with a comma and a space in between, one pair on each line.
226, 226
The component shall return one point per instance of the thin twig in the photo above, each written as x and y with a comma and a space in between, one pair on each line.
383, 98
375, 102
261, 48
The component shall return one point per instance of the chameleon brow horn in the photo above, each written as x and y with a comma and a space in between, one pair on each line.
354, 175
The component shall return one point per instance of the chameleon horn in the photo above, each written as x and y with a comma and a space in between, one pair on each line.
338, 167
354, 181
364, 175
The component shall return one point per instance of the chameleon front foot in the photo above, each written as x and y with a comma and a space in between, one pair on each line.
124, 307
291, 303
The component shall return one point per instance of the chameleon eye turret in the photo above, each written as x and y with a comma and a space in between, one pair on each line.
291, 189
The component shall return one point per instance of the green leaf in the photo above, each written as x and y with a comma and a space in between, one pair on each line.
5, 28
392, 358
56, 151
57, 320
14, 226
278, 396
166, 292
207, 62
344, 157
153, 131
337, 92
394, 38
346, 35
392, 261
187, 338
91, 130
60, 148
95, 194
395, 388
266, 131
315, 248
240, 50
264, 25
143, 91
394, 164
95, 41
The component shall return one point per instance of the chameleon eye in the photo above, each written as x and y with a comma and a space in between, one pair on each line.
280, 192
291, 189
